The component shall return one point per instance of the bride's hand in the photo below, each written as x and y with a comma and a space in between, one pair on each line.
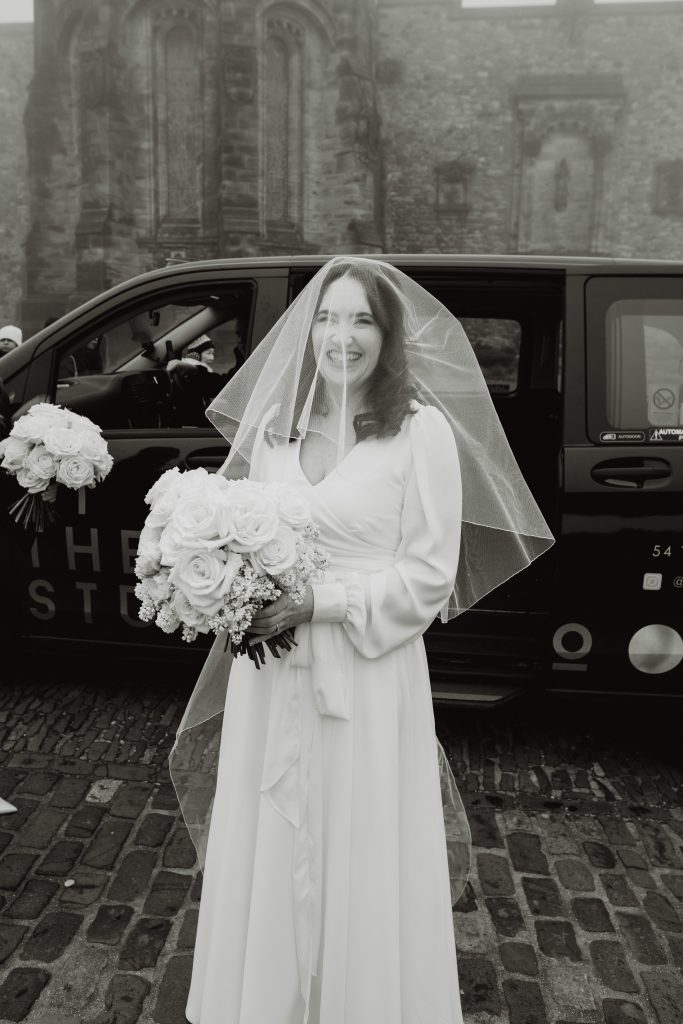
282, 614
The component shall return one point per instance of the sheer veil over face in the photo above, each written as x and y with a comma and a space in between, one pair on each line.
350, 358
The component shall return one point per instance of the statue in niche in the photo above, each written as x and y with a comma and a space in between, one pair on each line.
453, 193
452, 184
561, 185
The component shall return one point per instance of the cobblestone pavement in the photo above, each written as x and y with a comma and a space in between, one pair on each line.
572, 913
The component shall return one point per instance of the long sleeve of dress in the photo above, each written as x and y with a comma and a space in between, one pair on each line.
382, 610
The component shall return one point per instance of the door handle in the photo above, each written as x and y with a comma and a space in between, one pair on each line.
211, 459
631, 472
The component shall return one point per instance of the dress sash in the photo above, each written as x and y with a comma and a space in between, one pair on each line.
318, 683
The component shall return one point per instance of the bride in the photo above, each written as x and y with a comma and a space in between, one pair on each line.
333, 839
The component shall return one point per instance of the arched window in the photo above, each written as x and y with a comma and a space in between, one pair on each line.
178, 121
282, 118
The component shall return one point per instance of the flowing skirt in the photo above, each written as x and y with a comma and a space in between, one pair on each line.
355, 889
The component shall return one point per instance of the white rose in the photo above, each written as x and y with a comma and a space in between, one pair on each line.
205, 577
168, 481
30, 482
75, 471
254, 516
62, 442
202, 519
94, 449
32, 429
163, 496
93, 446
146, 566
41, 463
162, 510
188, 614
149, 535
294, 510
54, 413
221, 483
197, 481
171, 543
277, 555
103, 466
13, 451
148, 558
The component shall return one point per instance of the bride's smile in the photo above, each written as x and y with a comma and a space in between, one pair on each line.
337, 355
347, 339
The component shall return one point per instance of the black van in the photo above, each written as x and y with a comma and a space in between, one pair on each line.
584, 360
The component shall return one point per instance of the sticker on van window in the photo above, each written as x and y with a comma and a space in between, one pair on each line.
623, 435
665, 434
662, 401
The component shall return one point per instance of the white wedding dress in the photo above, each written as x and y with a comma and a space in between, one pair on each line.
326, 887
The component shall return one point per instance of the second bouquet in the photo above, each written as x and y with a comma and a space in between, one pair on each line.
213, 552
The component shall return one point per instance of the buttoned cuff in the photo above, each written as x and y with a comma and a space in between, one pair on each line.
329, 602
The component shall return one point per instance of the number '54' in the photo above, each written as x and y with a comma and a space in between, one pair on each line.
657, 550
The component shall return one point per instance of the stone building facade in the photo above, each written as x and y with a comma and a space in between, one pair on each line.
545, 130
189, 129
16, 71
196, 128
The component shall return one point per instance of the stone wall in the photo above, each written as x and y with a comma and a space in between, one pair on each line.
338, 126
16, 69
190, 130
556, 129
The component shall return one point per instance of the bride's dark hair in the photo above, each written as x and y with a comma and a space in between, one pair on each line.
390, 390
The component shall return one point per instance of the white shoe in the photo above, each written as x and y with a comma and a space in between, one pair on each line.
5, 807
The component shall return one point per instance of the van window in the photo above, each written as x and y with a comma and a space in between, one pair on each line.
496, 343
203, 341
509, 320
644, 363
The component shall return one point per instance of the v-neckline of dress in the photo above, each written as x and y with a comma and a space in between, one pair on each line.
327, 475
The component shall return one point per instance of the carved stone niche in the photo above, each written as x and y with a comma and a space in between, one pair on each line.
668, 197
566, 128
453, 179
595, 120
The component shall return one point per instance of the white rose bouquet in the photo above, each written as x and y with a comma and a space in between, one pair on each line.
47, 446
213, 552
